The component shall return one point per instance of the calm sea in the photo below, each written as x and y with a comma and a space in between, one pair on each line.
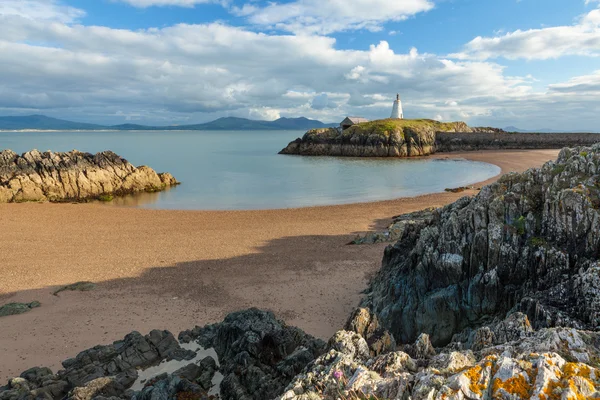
241, 170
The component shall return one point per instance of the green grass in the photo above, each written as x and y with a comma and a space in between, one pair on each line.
384, 127
583, 154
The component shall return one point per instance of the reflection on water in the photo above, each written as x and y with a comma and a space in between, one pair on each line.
230, 170
136, 199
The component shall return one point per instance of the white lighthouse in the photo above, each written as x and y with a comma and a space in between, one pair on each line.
397, 110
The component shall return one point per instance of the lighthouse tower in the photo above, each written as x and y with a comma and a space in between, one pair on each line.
397, 110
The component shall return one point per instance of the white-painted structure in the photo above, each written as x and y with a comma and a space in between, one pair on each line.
397, 112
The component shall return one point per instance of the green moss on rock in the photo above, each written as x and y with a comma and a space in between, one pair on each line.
18, 308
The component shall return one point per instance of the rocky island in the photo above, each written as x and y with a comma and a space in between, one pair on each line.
495, 296
421, 137
73, 176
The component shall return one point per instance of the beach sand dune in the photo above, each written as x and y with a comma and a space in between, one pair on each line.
158, 269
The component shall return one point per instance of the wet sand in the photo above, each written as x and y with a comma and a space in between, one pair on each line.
163, 269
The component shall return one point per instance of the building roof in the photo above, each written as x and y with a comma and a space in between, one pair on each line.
356, 120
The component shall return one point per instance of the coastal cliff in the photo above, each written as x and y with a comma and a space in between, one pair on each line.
383, 138
73, 176
492, 297
410, 138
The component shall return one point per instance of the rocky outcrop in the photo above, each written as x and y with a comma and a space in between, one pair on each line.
384, 138
73, 176
528, 243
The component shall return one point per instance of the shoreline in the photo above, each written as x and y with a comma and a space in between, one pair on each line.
171, 269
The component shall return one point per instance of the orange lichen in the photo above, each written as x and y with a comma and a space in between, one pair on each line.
474, 374
577, 369
552, 392
517, 385
556, 388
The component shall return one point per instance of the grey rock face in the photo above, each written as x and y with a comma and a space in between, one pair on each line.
73, 176
527, 243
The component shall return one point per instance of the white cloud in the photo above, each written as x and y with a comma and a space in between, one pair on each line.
191, 73
324, 17
583, 38
40, 10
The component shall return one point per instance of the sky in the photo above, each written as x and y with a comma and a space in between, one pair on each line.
534, 64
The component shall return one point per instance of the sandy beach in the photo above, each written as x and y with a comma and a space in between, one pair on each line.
158, 269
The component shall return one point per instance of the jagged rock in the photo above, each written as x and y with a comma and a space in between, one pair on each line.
527, 243
208, 368
73, 176
365, 323
421, 349
259, 354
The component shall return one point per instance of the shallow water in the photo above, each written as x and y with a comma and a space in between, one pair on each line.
225, 170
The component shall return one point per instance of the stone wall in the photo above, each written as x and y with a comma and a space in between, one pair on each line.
449, 142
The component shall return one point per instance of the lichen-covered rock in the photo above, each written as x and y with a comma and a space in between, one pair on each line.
528, 243
73, 176
536, 368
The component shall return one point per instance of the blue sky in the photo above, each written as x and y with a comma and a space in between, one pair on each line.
530, 63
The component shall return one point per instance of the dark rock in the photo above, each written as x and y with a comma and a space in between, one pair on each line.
259, 354
208, 368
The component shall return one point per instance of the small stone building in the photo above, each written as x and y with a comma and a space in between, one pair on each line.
349, 121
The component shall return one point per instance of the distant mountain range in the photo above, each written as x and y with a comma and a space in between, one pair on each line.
42, 122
